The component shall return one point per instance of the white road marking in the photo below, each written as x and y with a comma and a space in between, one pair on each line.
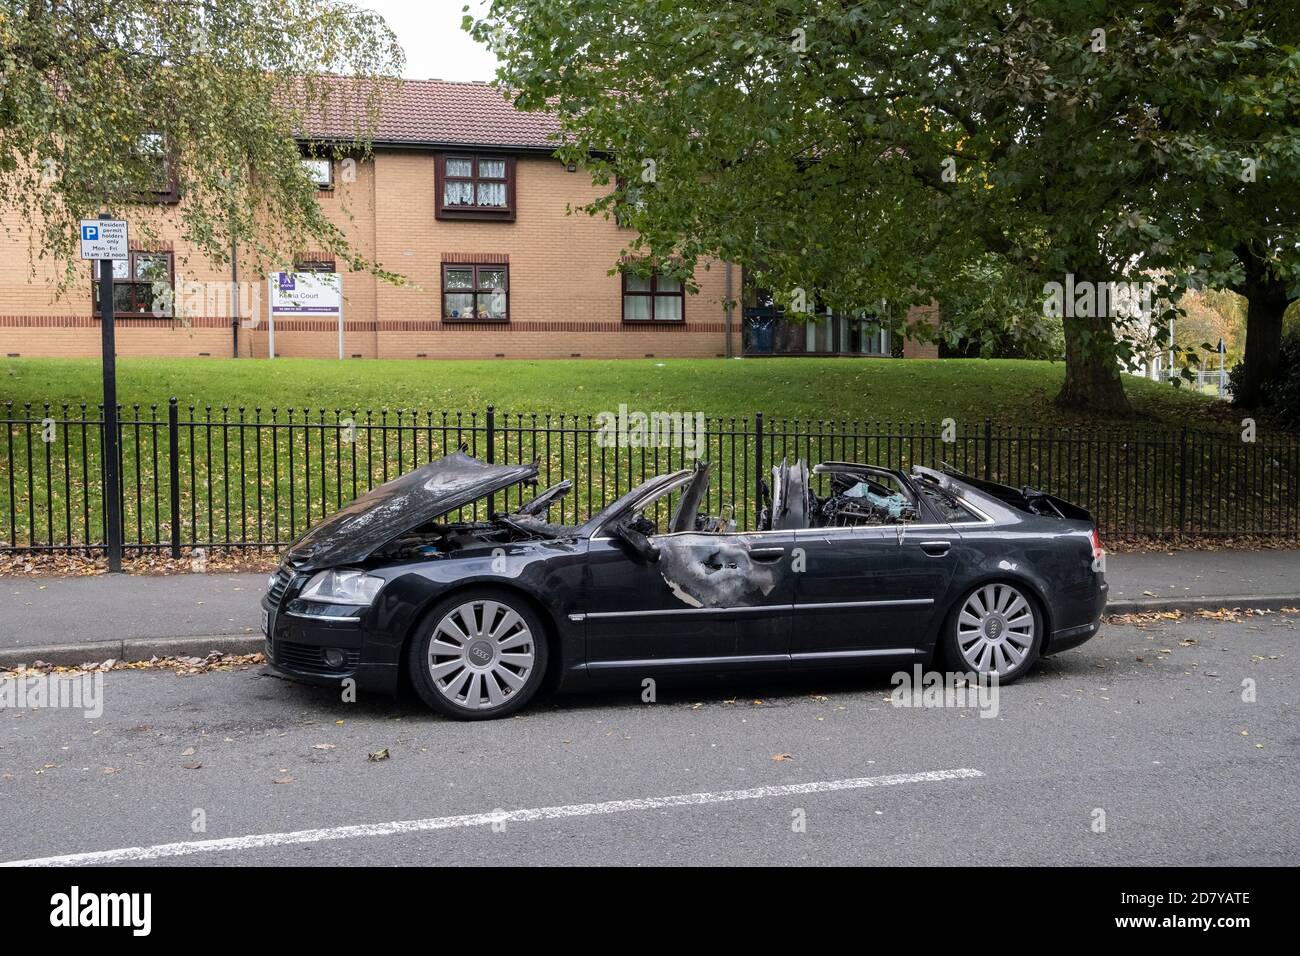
135, 854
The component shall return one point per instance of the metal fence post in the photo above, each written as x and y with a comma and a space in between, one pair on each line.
174, 471
491, 449
988, 449
759, 466
1182, 480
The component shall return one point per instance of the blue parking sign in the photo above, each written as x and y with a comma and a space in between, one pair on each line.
104, 239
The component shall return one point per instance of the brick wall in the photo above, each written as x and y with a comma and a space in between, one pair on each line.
563, 302
922, 315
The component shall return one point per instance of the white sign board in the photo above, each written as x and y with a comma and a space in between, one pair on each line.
306, 293
318, 295
104, 239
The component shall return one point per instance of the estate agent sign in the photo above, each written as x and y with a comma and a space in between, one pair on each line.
316, 295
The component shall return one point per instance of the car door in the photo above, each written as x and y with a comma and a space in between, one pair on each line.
868, 591
709, 599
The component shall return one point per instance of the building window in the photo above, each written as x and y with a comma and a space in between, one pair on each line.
654, 298
321, 171
142, 284
313, 264
475, 187
159, 182
472, 293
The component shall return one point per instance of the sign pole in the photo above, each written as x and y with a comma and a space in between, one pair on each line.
1221, 351
340, 326
270, 317
112, 479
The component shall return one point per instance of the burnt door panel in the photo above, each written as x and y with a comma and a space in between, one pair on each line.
709, 596
868, 590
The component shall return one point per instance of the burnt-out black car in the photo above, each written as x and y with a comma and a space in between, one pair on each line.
852, 565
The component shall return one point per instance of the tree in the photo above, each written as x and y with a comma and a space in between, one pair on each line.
1240, 185
110, 103
884, 149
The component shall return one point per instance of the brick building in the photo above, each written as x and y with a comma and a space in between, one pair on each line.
463, 197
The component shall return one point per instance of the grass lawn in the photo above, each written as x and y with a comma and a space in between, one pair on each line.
241, 478
1007, 391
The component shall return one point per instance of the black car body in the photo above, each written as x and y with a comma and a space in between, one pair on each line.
852, 565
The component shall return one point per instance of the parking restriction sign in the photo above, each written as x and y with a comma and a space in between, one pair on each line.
103, 239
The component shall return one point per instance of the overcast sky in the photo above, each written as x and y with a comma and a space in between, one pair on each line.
436, 47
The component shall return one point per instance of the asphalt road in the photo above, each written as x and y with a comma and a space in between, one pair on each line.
1140, 723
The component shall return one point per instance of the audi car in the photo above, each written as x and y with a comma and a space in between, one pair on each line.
850, 565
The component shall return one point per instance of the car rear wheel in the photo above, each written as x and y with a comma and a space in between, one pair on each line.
996, 629
479, 654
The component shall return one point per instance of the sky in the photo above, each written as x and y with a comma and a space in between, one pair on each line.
436, 47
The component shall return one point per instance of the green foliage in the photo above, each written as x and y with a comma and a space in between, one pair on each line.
988, 315
1281, 396
872, 149
105, 105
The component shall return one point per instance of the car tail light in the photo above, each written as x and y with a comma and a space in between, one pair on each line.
1097, 551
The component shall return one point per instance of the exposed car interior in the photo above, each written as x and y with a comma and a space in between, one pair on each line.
526, 523
830, 494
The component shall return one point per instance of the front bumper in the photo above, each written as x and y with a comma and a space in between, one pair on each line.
322, 649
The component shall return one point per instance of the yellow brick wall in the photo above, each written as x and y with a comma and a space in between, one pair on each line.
922, 315
562, 300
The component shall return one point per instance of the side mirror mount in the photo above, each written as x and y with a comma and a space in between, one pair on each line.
641, 546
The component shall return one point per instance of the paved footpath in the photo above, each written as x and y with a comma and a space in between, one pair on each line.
73, 619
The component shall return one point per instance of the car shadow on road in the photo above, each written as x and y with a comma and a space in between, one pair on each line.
775, 690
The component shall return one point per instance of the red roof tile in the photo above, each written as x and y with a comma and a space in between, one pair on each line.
437, 112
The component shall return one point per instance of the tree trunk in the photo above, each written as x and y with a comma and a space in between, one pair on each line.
1092, 382
1266, 302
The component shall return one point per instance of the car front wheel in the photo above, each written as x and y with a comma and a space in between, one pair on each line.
479, 654
996, 629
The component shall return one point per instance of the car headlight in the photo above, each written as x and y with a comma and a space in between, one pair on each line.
342, 586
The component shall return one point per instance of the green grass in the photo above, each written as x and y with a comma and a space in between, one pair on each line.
1007, 391
241, 481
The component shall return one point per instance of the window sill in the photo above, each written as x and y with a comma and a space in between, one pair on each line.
453, 321
476, 212
654, 322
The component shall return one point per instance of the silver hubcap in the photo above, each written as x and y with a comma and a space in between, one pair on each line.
995, 629
481, 653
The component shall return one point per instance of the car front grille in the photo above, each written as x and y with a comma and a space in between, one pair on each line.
279, 584
309, 657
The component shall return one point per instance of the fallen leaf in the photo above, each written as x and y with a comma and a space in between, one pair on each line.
781, 758
378, 755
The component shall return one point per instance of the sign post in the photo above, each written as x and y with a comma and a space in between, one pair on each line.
104, 240
1221, 375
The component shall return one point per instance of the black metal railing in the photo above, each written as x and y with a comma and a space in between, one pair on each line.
218, 477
